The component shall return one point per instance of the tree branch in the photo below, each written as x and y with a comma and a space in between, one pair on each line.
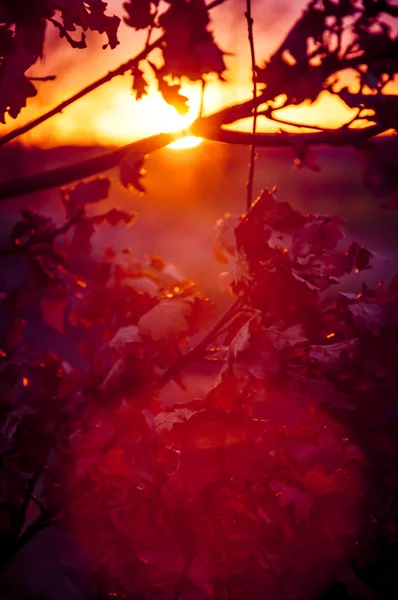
86, 168
338, 137
208, 128
70, 173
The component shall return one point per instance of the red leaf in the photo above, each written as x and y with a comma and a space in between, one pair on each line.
167, 320
333, 355
302, 501
285, 338
253, 353
81, 240
131, 171
15, 331
116, 216
127, 339
320, 234
85, 192
370, 316
165, 421
53, 307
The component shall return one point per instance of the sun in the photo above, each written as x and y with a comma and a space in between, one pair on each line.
170, 120
151, 115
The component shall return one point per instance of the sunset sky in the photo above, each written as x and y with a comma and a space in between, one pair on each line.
110, 115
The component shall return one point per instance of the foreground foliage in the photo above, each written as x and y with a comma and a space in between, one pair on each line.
240, 492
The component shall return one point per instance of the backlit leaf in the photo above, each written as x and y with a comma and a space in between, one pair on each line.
167, 320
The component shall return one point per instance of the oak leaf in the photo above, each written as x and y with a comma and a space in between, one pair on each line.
167, 320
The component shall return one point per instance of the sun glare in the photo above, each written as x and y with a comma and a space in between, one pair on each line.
152, 115
187, 142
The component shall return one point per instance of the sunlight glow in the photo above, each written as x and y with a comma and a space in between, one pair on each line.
126, 120
191, 141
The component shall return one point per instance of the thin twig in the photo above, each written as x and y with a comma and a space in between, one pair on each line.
269, 114
47, 237
336, 137
248, 15
120, 70
202, 97
29, 491
44, 78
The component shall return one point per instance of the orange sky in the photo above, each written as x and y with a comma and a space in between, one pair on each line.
110, 115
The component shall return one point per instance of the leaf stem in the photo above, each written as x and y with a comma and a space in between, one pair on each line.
250, 21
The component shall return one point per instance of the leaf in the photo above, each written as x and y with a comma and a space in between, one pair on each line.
289, 337
86, 15
126, 339
52, 307
323, 392
14, 418
165, 421
241, 340
18, 87
167, 320
317, 481
140, 84
139, 13
369, 316
318, 235
224, 246
131, 171
211, 58
171, 92
85, 192
333, 355
310, 286
81, 239
302, 501
15, 331
114, 376
31, 228
253, 353
189, 49
144, 285
116, 216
